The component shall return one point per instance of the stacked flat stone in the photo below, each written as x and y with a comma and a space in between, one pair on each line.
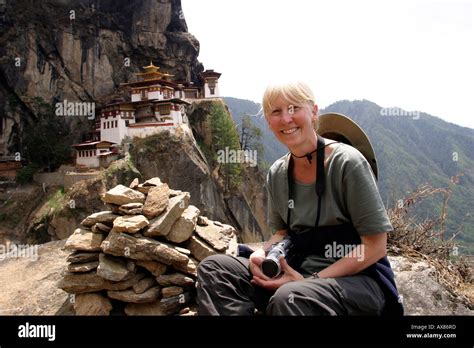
142, 253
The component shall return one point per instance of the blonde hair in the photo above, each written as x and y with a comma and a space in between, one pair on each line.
295, 93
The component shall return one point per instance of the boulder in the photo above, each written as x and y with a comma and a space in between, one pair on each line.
105, 217
74, 283
142, 248
156, 201
114, 268
92, 304
175, 279
183, 228
130, 223
85, 240
131, 209
161, 225
82, 267
121, 195
199, 248
149, 295
81, 256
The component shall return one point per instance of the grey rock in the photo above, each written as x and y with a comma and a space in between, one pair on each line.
183, 228
74, 283
134, 184
82, 267
92, 304
142, 248
190, 268
83, 239
156, 201
199, 248
113, 268
144, 284
421, 293
177, 279
105, 217
131, 209
130, 223
80, 257
171, 291
122, 195
161, 225
216, 234
155, 268
149, 295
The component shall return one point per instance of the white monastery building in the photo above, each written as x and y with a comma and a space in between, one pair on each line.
156, 103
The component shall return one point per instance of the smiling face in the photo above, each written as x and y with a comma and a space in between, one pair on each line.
290, 111
292, 123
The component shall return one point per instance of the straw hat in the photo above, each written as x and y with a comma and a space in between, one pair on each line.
342, 128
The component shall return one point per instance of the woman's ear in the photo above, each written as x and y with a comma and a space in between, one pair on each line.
314, 113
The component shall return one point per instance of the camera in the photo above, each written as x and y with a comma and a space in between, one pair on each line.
271, 265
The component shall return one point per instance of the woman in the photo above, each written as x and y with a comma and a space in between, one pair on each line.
338, 264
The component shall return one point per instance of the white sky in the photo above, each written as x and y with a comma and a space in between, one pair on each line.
418, 55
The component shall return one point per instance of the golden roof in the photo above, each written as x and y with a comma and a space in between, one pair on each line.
152, 73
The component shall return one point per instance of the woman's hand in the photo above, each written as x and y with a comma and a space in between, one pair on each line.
256, 259
288, 275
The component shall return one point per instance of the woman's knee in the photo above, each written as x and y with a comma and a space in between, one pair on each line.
216, 263
283, 298
304, 298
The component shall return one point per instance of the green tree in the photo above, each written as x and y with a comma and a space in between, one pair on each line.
225, 135
250, 138
45, 141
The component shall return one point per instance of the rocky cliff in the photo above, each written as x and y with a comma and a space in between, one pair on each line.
81, 50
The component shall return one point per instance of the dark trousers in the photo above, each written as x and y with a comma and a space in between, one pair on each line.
224, 288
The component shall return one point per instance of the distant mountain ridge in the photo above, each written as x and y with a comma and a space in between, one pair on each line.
410, 150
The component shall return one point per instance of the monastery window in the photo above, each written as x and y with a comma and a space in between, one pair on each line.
127, 123
116, 123
211, 89
164, 109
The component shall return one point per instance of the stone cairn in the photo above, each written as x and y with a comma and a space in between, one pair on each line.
141, 256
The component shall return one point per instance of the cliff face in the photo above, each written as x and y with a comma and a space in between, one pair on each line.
81, 50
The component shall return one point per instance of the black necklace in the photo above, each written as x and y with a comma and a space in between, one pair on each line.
308, 155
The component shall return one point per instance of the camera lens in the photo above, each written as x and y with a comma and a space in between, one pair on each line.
270, 268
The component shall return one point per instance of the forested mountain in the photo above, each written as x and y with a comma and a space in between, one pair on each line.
411, 151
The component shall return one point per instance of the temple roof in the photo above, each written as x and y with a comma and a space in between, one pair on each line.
152, 73
210, 73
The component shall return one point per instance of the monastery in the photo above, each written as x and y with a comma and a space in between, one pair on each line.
156, 103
